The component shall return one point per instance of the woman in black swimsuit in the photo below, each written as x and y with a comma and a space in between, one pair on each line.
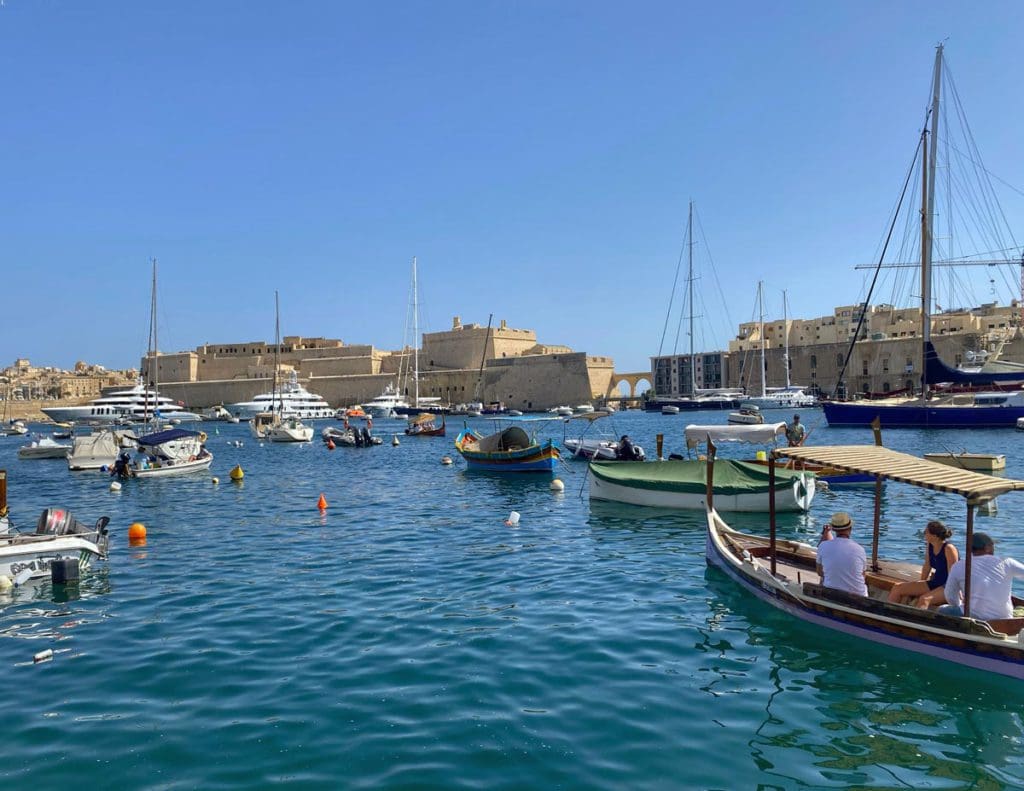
939, 559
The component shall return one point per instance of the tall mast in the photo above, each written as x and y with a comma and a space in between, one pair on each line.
483, 358
927, 210
154, 368
277, 357
415, 338
785, 333
693, 363
764, 367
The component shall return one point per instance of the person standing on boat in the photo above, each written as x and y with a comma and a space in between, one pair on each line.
795, 432
939, 559
625, 451
841, 560
991, 582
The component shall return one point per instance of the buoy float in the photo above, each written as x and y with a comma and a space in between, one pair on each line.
6, 583
446, 460
137, 533
43, 656
513, 519
557, 486
115, 486
236, 473
394, 440
322, 502
215, 480
330, 444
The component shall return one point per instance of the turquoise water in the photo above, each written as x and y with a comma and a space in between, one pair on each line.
408, 638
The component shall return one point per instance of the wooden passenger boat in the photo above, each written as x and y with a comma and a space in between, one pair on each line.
980, 462
425, 425
782, 573
511, 449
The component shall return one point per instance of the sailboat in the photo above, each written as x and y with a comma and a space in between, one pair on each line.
420, 404
788, 397
963, 410
275, 426
699, 398
163, 452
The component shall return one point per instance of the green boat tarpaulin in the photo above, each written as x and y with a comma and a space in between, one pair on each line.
691, 475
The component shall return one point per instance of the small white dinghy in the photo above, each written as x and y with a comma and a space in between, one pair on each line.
44, 448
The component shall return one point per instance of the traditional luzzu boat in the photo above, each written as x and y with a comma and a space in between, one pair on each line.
510, 449
57, 536
783, 573
425, 425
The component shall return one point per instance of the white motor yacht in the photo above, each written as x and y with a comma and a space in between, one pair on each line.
137, 404
386, 404
293, 400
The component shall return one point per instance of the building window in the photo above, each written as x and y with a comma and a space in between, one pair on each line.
814, 360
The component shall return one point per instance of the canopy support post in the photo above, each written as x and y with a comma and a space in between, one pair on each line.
771, 507
967, 560
877, 523
709, 493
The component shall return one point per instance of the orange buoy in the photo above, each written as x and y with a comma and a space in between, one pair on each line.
322, 502
330, 444
137, 533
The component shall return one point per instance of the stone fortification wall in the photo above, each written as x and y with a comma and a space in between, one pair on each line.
463, 346
544, 381
366, 365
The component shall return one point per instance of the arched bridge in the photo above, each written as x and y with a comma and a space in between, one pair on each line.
632, 379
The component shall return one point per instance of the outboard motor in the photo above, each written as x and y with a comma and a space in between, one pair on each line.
366, 437
55, 521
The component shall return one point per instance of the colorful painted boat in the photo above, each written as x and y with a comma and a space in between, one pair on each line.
682, 484
425, 425
783, 574
511, 449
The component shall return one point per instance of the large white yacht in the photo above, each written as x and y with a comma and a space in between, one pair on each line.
292, 400
118, 405
386, 404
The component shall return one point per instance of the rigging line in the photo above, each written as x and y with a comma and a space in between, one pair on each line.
874, 280
671, 298
714, 275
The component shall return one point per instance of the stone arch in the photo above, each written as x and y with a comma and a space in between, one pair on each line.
631, 379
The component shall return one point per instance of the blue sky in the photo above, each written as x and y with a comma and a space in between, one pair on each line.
537, 157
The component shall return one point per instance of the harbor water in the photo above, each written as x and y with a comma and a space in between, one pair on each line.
407, 637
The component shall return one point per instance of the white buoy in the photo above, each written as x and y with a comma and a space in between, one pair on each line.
513, 519
215, 481
394, 440
115, 486
557, 486
22, 577
446, 460
5, 583
43, 656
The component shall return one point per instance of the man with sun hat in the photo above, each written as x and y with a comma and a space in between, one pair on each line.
841, 560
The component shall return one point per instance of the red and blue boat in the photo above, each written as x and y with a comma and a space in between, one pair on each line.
511, 449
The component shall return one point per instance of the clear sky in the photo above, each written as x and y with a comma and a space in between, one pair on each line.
537, 158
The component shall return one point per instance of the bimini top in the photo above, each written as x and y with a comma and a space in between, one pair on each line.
161, 437
761, 434
875, 460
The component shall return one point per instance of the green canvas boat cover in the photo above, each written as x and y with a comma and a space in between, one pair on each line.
691, 475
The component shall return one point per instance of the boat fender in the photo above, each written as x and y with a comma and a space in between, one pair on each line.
5, 583
43, 656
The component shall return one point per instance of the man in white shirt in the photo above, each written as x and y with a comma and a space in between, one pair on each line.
991, 582
841, 561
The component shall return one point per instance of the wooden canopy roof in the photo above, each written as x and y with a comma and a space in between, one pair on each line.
875, 460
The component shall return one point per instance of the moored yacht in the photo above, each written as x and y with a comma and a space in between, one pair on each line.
292, 400
137, 404
386, 404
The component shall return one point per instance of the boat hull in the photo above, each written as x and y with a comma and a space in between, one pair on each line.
990, 654
859, 414
794, 493
535, 458
37, 556
167, 467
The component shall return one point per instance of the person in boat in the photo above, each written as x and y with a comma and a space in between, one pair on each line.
122, 468
795, 432
940, 556
842, 562
626, 450
991, 582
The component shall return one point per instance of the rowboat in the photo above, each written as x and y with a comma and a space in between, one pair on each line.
511, 449
425, 425
981, 462
681, 484
783, 574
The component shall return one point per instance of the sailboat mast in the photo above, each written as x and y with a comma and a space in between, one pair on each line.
483, 358
928, 206
764, 367
785, 333
277, 356
693, 364
153, 362
415, 338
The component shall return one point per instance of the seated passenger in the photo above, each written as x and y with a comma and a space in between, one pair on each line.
991, 582
939, 559
841, 561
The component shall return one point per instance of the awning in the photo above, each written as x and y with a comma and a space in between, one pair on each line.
760, 433
875, 460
